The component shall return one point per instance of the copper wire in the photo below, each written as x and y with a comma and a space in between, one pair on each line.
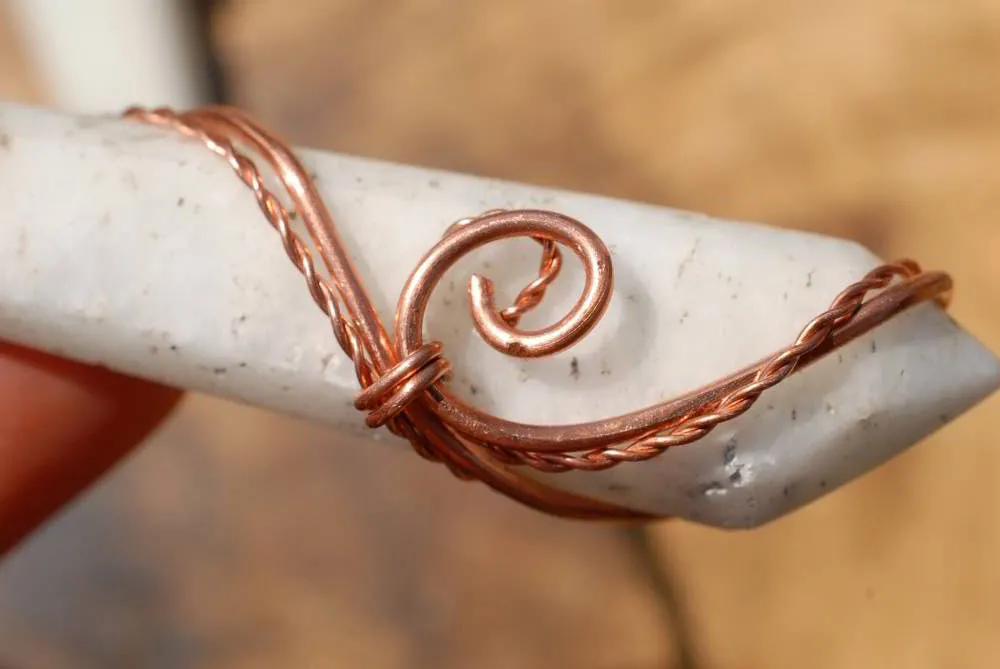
403, 379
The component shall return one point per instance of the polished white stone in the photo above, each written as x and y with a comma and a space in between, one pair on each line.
127, 246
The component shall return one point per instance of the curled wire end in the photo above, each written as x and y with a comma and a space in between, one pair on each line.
403, 379
499, 328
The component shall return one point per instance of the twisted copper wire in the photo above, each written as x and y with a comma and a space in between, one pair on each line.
403, 380
693, 427
532, 294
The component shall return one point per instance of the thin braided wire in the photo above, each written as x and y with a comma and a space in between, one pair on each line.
324, 295
532, 294
694, 427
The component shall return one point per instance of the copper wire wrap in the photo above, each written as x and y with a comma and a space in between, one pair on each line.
403, 379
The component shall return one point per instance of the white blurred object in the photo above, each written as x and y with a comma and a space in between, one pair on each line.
102, 55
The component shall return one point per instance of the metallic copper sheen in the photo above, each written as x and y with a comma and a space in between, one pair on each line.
403, 379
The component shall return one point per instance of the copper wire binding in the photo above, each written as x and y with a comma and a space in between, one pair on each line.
403, 379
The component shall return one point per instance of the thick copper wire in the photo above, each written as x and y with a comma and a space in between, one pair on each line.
403, 378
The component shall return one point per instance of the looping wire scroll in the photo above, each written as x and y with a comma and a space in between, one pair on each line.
403, 379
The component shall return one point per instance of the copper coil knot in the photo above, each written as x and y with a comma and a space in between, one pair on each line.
392, 392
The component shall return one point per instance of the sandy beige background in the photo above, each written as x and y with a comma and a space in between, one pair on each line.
217, 546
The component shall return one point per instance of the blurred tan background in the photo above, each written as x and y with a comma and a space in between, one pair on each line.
241, 539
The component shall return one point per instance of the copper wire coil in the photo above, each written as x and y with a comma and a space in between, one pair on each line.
404, 379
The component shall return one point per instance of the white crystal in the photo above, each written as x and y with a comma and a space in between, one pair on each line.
127, 246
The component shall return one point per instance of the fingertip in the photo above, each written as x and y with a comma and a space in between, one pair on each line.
62, 425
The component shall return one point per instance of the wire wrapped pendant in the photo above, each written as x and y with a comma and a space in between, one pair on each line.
404, 379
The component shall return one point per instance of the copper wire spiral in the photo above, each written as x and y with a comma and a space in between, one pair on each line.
403, 379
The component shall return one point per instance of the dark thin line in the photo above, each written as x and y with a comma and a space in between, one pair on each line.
204, 12
658, 577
